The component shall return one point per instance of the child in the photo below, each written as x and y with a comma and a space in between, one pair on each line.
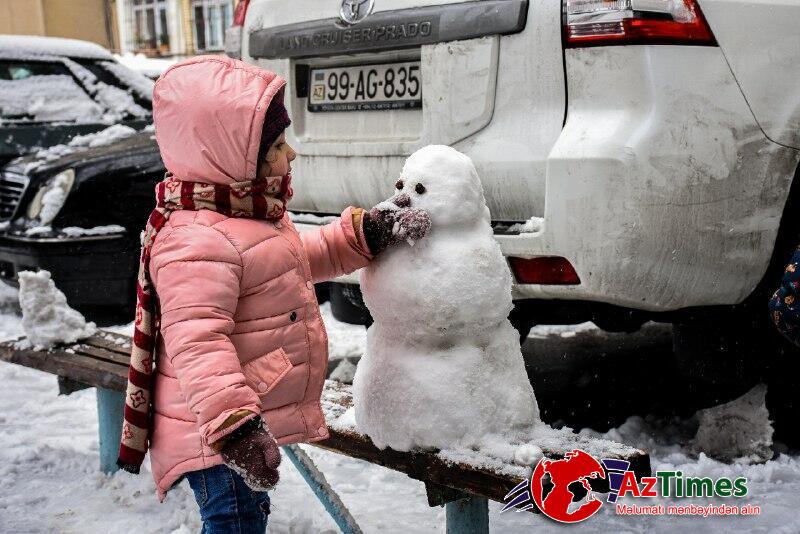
226, 304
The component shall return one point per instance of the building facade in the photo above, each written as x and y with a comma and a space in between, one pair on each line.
173, 27
89, 20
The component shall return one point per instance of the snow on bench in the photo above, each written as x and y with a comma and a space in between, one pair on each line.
102, 361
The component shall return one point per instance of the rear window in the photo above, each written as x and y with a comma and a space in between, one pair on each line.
43, 91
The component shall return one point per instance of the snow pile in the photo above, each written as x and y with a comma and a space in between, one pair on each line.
31, 45
119, 104
739, 429
46, 317
344, 340
104, 137
531, 226
150, 67
139, 82
311, 218
76, 231
53, 200
47, 98
344, 372
443, 366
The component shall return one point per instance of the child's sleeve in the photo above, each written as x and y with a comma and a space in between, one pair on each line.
784, 304
337, 248
196, 272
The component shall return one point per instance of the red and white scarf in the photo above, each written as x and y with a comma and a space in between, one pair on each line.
264, 198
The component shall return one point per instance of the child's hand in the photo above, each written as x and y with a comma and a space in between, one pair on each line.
387, 224
253, 454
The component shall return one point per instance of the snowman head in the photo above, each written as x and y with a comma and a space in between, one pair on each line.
443, 182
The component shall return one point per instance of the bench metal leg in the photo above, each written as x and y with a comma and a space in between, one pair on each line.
326, 495
110, 405
468, 516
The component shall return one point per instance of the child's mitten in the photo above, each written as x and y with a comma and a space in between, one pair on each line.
388, 225
252, 452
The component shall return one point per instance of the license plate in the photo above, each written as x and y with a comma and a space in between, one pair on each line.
368, 87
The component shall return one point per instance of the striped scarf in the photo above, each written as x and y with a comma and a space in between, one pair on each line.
259, 199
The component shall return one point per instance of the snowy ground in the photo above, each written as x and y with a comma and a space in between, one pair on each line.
50, 483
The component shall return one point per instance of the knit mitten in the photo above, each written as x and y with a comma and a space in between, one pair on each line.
252, 452
387, 226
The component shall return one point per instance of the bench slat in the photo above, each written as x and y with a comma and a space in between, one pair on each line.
84, 369
100, 341
101, 354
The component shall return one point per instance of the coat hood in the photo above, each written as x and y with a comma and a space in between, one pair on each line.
209, 113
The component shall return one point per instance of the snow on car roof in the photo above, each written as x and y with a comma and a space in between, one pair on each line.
31, 45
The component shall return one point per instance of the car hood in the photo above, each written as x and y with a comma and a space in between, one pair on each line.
81, 157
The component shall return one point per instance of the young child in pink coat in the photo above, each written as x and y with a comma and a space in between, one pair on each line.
230, 351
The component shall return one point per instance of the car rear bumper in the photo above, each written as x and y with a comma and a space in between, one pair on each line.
89, 271
661, 189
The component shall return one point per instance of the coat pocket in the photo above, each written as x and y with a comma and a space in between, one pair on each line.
265, 372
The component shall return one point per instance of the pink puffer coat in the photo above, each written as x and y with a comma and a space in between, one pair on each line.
240, 323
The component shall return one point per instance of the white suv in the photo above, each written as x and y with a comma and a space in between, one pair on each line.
638, 156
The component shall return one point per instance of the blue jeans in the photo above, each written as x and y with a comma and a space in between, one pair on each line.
227, 505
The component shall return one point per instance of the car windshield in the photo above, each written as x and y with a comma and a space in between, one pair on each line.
83, 91
119, 76
43, 91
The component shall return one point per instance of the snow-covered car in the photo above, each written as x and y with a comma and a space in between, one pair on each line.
76, 177
53, 89
638, 157
78, 211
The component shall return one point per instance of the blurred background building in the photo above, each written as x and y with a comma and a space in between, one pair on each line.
90, 20
173, 27
150, 27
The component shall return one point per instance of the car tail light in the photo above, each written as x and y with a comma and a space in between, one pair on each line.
233, 35
619, 22
240, 12
548, 270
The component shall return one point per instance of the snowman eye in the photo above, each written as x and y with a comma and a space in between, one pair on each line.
399, 184
419, 188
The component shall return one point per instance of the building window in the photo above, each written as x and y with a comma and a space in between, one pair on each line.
150, 32
211, 18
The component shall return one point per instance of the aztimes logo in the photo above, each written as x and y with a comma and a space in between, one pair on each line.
549, 490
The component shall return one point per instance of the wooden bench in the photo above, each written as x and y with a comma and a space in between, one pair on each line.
464, 489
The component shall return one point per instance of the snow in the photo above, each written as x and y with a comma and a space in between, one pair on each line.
150, 67
104, 137
117, 102
344, 372
440, 310
346, 340
47, 319
531, 226
55, 97
49, 457
311, 218
54, 198
739, 429
140, 83
76, 231
17, 45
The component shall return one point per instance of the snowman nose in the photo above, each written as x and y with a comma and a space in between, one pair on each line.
403, 201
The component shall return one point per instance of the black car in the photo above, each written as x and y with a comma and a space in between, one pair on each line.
79, 216
76, 180
54, 89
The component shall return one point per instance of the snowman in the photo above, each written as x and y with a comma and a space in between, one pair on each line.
443, 365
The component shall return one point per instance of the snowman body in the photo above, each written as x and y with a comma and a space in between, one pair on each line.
443, 365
